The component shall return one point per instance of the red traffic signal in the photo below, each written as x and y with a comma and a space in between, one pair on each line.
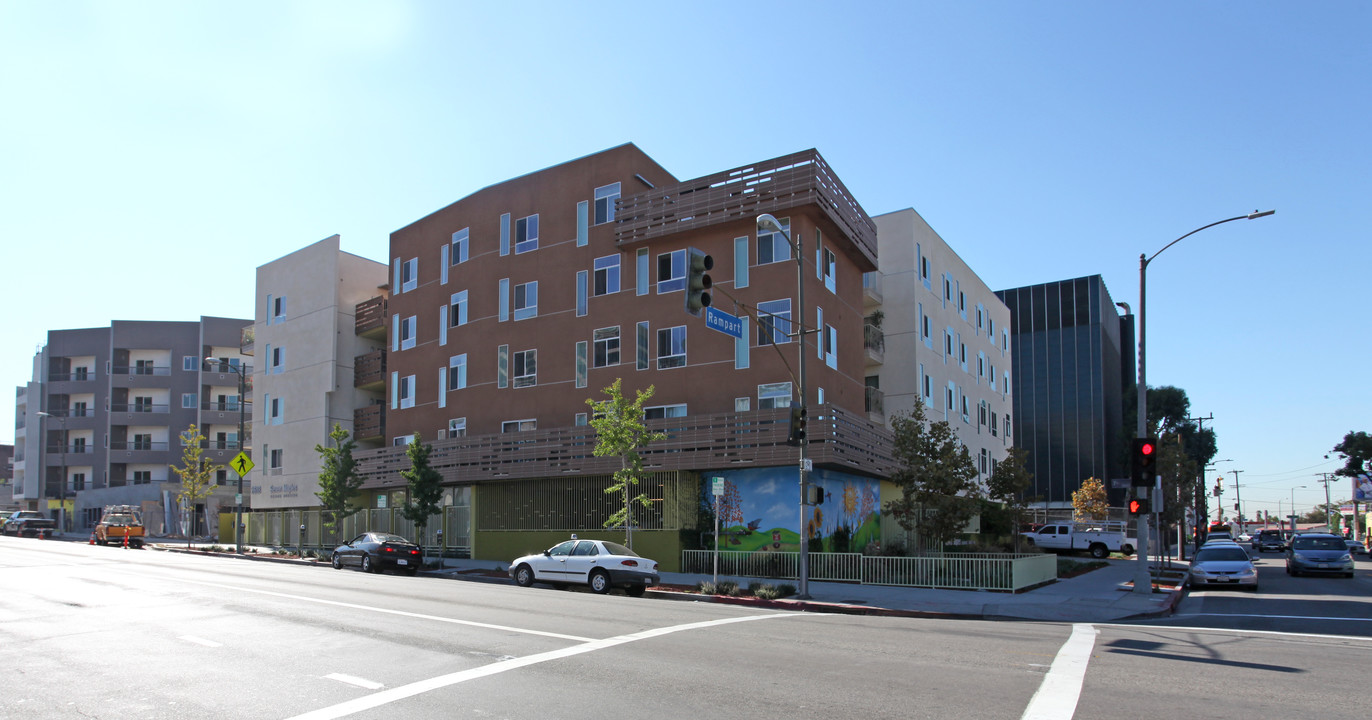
1143, 462
1135, 507
1146, 448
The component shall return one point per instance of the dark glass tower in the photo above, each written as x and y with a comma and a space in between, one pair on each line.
1071, 368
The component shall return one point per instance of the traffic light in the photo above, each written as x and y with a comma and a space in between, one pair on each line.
797, 430
1136, 507
1143, 462
697, 281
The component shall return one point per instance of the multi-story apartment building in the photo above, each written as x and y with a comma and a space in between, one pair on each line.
314, 370
1070, 371
512, 307
101, 421
937, 333
7, 477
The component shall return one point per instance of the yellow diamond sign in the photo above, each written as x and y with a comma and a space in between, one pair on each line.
241, 463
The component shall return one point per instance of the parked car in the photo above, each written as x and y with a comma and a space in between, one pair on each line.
1223, 563
1269, 539
376, 552
30, 523
598, 564
1355, 547
1319, 553
1098, 539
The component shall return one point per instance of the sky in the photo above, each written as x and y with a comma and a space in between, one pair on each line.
154, 154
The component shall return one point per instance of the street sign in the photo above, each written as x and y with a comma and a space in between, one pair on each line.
718, 486
242, 464
730, 325
807, 465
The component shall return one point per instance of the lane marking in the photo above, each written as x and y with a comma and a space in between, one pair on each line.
1203, 628
1056, 698
1274, 617
435, 683
200, 641
356, 681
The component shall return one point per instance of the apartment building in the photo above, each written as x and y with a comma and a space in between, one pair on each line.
512, 307
1071, 367
102, 419
315, 370
7, 478
936, 333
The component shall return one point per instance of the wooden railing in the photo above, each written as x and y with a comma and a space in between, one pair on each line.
370, 316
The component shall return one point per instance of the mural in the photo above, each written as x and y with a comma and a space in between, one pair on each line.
760, 511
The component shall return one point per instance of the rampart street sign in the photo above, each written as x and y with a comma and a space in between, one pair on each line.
723, 322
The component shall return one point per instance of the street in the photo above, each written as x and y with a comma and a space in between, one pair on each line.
91, 631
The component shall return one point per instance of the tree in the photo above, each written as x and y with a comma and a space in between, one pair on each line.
936, 477
196, 473
1356, 453
425, 488
620, 432
1008, 484
338, 479
1089, 502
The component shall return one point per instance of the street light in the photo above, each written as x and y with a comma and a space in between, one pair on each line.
1293, 508
1143, 579
241, 369
768, 224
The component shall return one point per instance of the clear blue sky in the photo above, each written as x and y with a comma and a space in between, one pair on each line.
153, 154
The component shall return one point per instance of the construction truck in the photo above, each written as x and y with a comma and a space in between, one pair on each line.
120, 525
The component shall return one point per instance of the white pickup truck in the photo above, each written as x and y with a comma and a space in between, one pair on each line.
1099, 539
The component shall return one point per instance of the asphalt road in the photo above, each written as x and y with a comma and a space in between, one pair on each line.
94, 632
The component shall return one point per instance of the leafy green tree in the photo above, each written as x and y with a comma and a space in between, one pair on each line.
1356, 452
1008, 484
338, 479
620, 432
936, 477
425, 488
196, 473
1089, 502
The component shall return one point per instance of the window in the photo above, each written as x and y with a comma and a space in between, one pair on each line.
606, 275
526, 368
581, 370
457, 372
457, 309
407, 391
947, 290
830, 346
409, 275
641, 271
278, 308
928, 389
583, 221
671, 347
409, 327
950, 395
664, 411
962, 304
142, 404
948, 343
773, 246
924, 321
457, 427
981, 413
142, 441
190, 362
510, 426
502, 378
79, 409
671, 271
962, 354
142, 477
526, 301
605, 197
641, 346
924, 270
188, 400
526, 234
606, 347
458, 253
965, 416
830, 269
142, 367
995, 425
774, 395
504, 234
743, 404
774, 322
981, 322
740, 262
275, 411
78, 481
277, 359
581, 420
277, 459
581, 293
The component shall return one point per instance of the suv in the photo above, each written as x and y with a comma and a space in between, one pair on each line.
1319, 553
1269, 539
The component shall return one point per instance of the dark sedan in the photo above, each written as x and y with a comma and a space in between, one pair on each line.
377, 551
1319, 553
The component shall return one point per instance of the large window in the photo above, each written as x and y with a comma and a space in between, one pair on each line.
774, 322
407, 391
606, 275
774, 395
457, 311
830, 346
526, 368
664, 411
526, 234
773, 246
671, 347
606, 347
409, 328
605, 197
510, 426
458, 253
671, 271
409, 275
457, 372
829, 268
526, 300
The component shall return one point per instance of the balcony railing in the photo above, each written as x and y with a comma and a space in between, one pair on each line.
139, 408
873, 338
369, 423
871, 289
369, 370
369, 317
139, 445
81, 375
227, 407
876, 401
140, 370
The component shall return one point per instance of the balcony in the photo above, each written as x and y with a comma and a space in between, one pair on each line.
871, 290
246, 340
369, 423
369, 319
772, 186
369, 371
876, 405
139, 408
873, 344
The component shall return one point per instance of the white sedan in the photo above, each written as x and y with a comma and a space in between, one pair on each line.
598, 564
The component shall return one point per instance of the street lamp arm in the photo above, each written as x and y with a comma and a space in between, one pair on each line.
1250, 216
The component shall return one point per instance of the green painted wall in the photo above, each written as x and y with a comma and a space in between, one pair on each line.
664, 546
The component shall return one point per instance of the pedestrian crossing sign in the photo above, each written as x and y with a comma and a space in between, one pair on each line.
241, 463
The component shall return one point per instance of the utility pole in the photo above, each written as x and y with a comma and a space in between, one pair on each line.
1199, 507
1238, 500
1326, 478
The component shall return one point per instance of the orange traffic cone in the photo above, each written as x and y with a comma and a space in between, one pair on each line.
92, 538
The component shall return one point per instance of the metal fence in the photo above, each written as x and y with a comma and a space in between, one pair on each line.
282, 528
959, 571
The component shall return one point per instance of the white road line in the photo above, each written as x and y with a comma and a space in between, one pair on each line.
405, 691
370, 608
1241, 631
357, 681
201, 641
1275, 617
1057, 696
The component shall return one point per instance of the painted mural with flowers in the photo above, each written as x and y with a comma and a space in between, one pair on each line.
760, 511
